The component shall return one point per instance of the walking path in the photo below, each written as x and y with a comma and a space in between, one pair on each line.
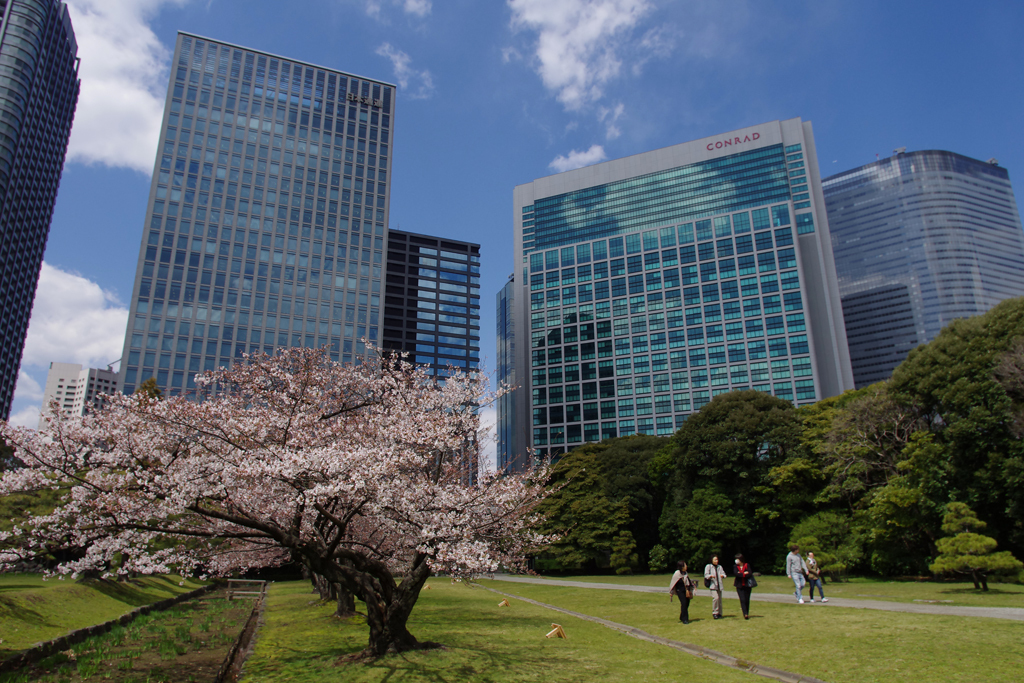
1011, 613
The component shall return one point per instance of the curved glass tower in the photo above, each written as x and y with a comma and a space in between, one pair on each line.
38, 94
920, 239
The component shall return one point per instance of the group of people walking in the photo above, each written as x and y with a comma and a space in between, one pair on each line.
802, 571
683, 587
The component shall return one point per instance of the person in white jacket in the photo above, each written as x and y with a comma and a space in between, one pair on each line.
714, 577
796, 569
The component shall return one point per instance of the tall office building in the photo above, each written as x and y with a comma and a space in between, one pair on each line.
76, 389
38, 94
432, 300
505, 370
267, 216
652, 283
920, 239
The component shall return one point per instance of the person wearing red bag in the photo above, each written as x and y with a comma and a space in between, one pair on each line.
743, 582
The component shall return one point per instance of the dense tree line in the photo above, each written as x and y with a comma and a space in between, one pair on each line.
865, 479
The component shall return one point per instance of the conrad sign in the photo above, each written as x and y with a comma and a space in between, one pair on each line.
728, 142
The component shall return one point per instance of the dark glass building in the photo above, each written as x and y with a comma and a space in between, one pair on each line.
647, 285
920, 239
38, 94
432, 300
267, 216
506, 372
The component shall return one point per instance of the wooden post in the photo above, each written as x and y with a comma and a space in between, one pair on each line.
556, 632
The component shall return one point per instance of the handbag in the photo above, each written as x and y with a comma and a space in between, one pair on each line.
707, 582
751, 582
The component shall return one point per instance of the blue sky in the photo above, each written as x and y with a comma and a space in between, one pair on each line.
494, 94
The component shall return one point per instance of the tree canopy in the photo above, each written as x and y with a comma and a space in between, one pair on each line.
365, 474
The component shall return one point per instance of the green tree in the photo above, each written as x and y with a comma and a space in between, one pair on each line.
727, 451
624, 557
967, 552
604, 507
658, 559
835, 539
150, 388
707, 523
955, 385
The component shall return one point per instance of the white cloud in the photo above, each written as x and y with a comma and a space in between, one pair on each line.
28, 388
609, 116
124, 80
73, 321
577, 159
404, 73
27, 416
578, 42
419, 8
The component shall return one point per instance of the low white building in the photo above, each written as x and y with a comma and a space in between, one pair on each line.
76, 389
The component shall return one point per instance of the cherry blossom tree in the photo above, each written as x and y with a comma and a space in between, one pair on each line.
365, 474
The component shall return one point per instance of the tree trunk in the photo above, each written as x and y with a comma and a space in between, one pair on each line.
974, 577
346, 601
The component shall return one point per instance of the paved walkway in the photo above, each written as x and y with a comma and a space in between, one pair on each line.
1011, 613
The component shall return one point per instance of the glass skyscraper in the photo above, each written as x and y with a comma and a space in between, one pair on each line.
267, 217
506, 371
652, 283
38, 94
432, 300
920, 239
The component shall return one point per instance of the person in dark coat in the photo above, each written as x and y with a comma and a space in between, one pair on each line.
742, 584
682, 587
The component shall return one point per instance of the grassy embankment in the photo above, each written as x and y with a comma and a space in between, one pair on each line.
33, 610
184, 644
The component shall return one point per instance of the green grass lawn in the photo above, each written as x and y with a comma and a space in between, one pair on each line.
33, 610
835, 644
947, 593
300, 641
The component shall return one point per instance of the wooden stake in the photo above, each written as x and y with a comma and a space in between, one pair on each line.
504, 603
556, 632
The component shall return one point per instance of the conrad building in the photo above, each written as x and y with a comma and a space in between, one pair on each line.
647, 285
38, 93
920, 239
267, 217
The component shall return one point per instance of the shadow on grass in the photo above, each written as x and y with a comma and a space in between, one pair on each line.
128, 592
10, 609
978, 591
9, 587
